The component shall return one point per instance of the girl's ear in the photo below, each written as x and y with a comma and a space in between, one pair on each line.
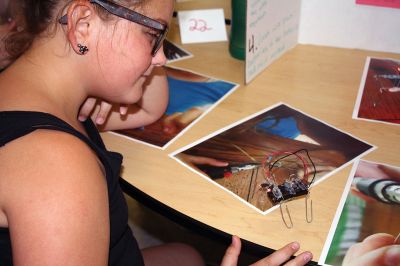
81, 19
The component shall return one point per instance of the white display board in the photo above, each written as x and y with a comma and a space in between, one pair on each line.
272, 29
275, 26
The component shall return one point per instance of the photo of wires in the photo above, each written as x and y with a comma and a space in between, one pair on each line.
379, 93
272, 158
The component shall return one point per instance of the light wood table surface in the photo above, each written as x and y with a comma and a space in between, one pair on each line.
320, 81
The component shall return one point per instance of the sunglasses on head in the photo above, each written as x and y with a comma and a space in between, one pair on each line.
133, 16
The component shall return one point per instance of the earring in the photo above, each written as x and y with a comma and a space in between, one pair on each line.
83, 49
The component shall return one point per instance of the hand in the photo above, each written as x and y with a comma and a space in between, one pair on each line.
277, 258
174, 123
376, 171
377, 249
99, 113
193, 160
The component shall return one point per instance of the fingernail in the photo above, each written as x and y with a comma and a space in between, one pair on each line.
99, 120
392, 257
81, 118
307, 256
295, 246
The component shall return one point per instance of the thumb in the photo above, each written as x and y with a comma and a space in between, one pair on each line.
232, 253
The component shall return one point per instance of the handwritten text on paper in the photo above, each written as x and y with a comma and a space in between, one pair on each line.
199, 26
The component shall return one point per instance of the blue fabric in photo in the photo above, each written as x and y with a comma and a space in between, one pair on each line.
184, 95
285, 127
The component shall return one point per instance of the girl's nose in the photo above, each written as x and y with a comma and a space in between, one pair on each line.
159, 59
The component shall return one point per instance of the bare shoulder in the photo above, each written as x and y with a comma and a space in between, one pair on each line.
49, 155
55, 200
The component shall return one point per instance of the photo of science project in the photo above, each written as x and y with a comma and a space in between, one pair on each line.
191, 96
273, 157
175, 53
379, 94
370, 205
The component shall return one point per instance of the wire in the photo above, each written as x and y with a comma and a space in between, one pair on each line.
268, 169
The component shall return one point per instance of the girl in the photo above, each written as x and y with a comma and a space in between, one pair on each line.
60, 201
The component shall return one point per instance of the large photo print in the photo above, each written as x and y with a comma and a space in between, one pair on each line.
191, 96
271, 157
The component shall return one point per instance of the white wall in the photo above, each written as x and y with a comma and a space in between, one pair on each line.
342, 23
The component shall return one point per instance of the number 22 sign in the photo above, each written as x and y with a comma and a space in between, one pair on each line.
199, 26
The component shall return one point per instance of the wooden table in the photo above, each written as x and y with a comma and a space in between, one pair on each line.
320, 81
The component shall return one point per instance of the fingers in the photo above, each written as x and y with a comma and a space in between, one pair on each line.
169, 123
371, 243
378, 240
282, 255
89, 106
206, 160
86, 109
123, 109
232, 253
385, 256
301, 259
390, 171
101, 116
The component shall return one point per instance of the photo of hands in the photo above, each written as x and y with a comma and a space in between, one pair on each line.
191, 96
369, 217
272, 156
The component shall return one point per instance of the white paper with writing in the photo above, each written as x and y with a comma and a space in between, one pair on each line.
199, 26
272, 29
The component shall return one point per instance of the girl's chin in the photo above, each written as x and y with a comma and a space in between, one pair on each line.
132, 97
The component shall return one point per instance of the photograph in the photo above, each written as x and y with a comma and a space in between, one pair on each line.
271, 157
371, 209
379, 93
191, 96
175, 53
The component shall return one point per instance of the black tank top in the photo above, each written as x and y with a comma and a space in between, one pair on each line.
123, 246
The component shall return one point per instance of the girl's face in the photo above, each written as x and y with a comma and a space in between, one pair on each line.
123, 54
